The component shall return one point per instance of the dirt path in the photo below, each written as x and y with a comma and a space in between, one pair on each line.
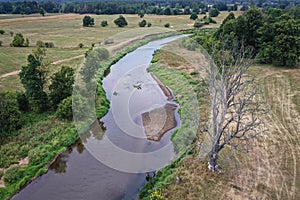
10, 74
67, 59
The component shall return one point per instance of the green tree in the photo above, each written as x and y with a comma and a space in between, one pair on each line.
88, 21
213, 12
33, 78
104, 23
280, 42
19, 41
42, 12
10, 116
141, 13
187, 10
2, 32
64, 110
194, 16
143, 23
121, 21
167, 25
61, 85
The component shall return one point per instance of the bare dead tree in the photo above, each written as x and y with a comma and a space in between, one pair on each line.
235, 106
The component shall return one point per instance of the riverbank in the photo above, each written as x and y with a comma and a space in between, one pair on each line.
172, 69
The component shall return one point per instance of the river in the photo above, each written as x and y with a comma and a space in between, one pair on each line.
77, 174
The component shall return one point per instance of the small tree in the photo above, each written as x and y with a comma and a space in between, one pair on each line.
88, 21
121, 21
141, 13
194, 16
40, 44
213, 12
42, 12
10, 116
167, 25
33, 78
104, 23
2, 32
80, 45
19, 41
61, 85
149, 24
64, 110
143, 23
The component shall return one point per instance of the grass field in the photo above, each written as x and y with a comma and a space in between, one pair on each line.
270, 170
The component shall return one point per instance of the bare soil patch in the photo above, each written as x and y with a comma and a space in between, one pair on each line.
158, 121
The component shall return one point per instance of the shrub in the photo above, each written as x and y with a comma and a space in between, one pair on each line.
104, 23
213, 12
149, 24
64, 110
18, 40
121, 21
88, 21
167, 25
11, 33
194, 16
13, 174
143, 23
0, 43
198, 24
2, 32
80, 45
40, 44
49, 44
39, 154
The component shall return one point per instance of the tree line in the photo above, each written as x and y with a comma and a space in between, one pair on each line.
159, 7
272, 34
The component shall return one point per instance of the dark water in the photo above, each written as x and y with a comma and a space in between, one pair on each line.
77, 174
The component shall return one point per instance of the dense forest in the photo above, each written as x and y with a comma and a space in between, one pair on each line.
169, 7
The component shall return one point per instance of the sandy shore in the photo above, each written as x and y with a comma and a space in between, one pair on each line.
160, 120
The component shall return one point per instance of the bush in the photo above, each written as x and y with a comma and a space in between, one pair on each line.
39, 154
2, 32
104, 23
64, 110
49, 44
198, 24
143, 23
213, 12
40, 44
194, 16
167, 25
88, 21
0, 43
149, 24
121, 21
13, 174
80, 45
19, 41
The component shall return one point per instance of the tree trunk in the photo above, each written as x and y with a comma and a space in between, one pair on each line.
213, 164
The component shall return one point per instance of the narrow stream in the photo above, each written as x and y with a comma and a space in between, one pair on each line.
77, 174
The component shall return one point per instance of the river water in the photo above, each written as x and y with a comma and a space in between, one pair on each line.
77, 174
